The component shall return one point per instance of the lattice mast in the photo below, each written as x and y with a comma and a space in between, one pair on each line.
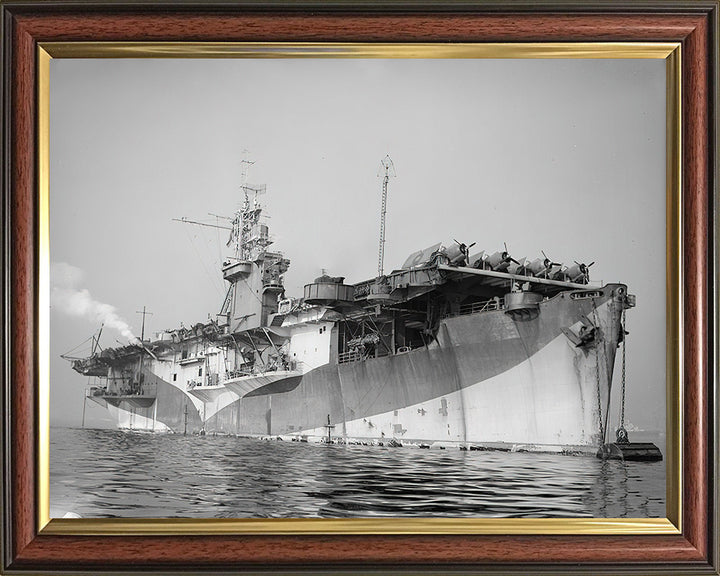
387, 171
244, 241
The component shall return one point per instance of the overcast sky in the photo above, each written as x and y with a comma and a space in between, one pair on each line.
565, 156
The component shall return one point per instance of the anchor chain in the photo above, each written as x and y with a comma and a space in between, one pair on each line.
597, 373
621, 434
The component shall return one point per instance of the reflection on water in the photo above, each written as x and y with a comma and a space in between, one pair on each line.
108, 473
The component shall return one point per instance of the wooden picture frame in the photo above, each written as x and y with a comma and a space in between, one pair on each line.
31, 546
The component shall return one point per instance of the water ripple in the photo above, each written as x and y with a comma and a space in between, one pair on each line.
108, 473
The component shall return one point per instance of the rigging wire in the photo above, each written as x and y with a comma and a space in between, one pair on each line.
219, 246
75, 349
251, 291
211, 276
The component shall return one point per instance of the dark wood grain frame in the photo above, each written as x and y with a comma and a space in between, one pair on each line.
26, 24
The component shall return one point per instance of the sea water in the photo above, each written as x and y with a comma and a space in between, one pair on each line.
109, 473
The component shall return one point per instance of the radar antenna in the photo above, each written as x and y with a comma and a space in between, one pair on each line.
245, 164
387, 171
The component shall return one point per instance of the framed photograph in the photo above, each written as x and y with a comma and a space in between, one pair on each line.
359, 286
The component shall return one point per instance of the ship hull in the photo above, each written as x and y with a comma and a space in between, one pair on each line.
490, 378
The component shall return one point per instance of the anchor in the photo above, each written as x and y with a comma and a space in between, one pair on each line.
622, 448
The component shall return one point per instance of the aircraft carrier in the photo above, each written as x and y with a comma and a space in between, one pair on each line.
453, 348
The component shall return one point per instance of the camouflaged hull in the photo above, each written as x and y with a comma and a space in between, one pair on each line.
492, 378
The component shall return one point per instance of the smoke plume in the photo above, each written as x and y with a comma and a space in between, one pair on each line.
67, 297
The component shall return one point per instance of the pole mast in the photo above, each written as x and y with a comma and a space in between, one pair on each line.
140, 376
142, 330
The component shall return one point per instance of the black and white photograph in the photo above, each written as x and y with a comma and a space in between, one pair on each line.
358, 288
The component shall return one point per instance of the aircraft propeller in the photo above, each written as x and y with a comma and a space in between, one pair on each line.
580, 272
465, 249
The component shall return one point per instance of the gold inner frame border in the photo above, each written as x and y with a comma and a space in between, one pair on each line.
670, 52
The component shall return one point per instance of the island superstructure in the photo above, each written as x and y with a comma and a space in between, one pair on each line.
451, 348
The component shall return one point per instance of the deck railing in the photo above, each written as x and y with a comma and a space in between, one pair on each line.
476, 307
349, 356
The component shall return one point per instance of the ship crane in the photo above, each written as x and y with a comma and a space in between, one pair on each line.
387, 170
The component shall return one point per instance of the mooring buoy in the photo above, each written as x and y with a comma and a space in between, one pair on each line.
634, 451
